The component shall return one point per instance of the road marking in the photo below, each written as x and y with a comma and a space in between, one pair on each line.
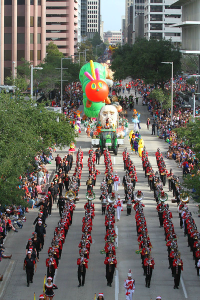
6, 277
183, 287
116, 285
54, 279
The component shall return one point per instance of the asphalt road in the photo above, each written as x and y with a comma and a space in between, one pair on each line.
14, 283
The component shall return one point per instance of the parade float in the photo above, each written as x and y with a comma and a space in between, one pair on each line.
106, 128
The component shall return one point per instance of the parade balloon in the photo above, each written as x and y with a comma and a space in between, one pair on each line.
92, 77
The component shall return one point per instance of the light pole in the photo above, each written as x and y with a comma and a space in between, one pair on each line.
33, 68
194, 99
171, 63
85, 53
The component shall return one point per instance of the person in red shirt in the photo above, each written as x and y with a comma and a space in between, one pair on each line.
58, 161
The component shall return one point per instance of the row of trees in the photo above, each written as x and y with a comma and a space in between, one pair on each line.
26, 130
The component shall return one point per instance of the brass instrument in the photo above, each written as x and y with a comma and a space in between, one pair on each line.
89, 181
71, 195
109, 181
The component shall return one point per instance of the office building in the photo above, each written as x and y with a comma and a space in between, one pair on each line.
62, 25
159, 16
93, 18
23, 34
123, 29
113, 37
83, 19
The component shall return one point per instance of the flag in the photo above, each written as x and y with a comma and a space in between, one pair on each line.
34, 297
44, 284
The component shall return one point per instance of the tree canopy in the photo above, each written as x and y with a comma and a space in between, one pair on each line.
25, 130
143, 60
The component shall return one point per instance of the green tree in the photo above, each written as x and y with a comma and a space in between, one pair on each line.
189, 63
25, 130
87, 45
96, 40
189, 135
162, 96
144, 60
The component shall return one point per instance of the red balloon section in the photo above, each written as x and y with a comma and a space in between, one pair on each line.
97, 91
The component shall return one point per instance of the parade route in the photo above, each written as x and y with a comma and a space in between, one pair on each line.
14, 284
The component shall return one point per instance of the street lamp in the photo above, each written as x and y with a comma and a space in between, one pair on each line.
194, 104
171, 63
33, 68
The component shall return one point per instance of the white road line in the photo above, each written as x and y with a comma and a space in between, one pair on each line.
54, 279
116, 285
6, 277
183, 287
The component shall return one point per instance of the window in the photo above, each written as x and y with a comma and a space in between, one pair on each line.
7, 72
7, 55
7, 2
39, 22
31, 2
20, 54
39, 2
31, 54
39, 55
20, 2
20, 38
39, 38
31, 38
31, 21
20, 21
7, 38
8, 21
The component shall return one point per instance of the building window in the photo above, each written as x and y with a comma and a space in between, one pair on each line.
31, 54
20, 21
39, 55
39, 2
20, 38
8, 21
20, 2
39, 22
31, 2
7, 55
39, 38
7, 38
7, 2
31, 38
31, 21
20, 54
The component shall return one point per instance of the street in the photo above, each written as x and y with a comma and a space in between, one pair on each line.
14, 284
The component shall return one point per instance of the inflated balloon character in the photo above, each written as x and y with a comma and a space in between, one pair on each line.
140, 147
95, 90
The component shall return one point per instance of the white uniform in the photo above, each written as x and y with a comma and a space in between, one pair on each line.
119, 208
116, 182
129, 285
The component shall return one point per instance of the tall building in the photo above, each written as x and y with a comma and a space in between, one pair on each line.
79, 22
84, 5
93, 18
123, 28
101, 30
23, 34
159, 16
138, 9
62, 25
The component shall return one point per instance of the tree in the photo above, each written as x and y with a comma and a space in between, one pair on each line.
162, 96
87, 45
96, 40
26, 130
191, 138
144, 60
189, 63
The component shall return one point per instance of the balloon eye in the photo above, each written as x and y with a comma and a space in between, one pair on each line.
100, 85
93, 86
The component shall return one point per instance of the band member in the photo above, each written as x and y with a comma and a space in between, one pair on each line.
116, 182
119, 207
148, 269
178, 267
82, 266
129, 285
51, 265
111, 264
29, 264
89, 183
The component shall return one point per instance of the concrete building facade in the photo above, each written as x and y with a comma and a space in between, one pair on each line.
113, 37
84, 6
159, 16
23, 34
62, 24
93, 18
